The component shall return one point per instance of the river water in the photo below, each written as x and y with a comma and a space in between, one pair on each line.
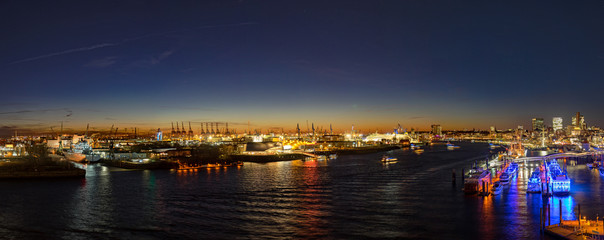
350, 197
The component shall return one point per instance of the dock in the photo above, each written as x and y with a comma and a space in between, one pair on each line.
577, 229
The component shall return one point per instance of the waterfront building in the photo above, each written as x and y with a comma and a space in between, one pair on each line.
538, 124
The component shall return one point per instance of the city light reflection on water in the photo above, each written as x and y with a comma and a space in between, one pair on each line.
349, 197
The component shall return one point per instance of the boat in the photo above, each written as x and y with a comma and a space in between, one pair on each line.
560, 183
497, 188
74, 156
534, 183
590, 165
81, 152
514, 165
477, 180
388, 159
451, 146
504, 178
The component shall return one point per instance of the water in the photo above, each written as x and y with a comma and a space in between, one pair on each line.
350, 197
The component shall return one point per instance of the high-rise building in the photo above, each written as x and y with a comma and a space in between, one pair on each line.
538, 124
437, 129
581, 123
557, 123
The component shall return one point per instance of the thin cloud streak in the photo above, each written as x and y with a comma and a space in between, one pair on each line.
104, 45
82, 49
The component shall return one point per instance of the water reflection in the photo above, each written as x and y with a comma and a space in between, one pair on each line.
349, 198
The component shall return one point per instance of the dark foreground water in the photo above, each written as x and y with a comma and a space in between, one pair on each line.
348, 198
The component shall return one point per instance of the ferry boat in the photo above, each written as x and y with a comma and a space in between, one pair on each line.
388, 159
504, 178
497, 188
601, 170
511, 170
514, 165
559, 179
534, 183
451, 146
477, 178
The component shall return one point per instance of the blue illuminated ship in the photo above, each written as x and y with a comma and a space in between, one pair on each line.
504, 178
560, 183
534, 183
497, 188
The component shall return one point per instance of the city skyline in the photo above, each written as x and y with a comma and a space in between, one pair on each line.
277, 64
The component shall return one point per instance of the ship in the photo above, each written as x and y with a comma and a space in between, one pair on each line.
560, 183
451, 146
534, 183
74, 156
81, 152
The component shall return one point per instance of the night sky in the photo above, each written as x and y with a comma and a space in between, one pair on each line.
374, 64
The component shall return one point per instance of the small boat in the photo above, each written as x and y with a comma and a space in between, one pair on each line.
534, 183
515, 165
388, 159
590, 166
497, 188
511, 170
451, 146
504, 178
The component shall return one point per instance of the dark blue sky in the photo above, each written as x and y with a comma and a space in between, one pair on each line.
277, 63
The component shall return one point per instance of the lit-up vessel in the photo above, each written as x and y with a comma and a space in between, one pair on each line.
451, 146
534, 183
81, 152
497, 188
388, 159
504, 178
476, 180
560, 183
74, 156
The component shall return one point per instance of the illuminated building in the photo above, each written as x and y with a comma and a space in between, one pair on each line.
159, 135
538, 124
436, 129
557, 123
581, 123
